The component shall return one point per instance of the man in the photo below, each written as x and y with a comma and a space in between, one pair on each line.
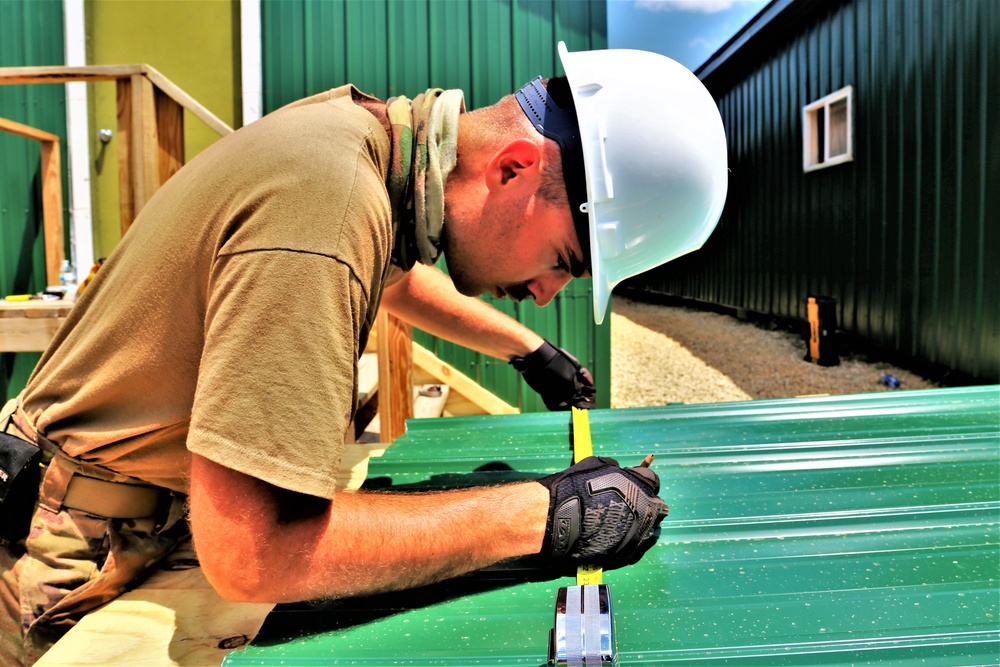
211, 364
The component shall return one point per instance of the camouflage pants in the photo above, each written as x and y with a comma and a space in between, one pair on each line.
70, 563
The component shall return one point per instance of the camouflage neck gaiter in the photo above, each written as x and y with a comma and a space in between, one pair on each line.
424, 135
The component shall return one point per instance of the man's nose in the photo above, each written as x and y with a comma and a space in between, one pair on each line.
546, 287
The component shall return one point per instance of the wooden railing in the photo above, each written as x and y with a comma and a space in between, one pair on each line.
150, 124
150, 150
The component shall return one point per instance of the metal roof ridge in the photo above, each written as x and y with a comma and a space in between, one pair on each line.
775, 16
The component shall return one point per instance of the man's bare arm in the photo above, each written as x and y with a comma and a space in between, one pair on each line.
426, 298
259, 543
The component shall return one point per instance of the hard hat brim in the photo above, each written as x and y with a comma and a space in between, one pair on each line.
601, 288
655, 161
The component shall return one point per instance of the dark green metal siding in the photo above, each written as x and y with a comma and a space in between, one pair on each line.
389, 47
31, 33
905, 237
487, 48
846, 530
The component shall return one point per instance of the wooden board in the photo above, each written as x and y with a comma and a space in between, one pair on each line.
395, 353
62, 74
427, 403
28, 326
367, 378
467, 397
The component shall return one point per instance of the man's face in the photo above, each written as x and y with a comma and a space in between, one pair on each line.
520, 247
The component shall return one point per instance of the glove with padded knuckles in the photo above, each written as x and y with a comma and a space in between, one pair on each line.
557, 376
602, 514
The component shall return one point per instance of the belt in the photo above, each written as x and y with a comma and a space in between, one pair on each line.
67, 482
114, 500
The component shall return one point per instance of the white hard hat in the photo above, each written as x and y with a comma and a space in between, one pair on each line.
654, 152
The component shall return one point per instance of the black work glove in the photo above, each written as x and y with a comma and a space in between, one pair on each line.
558, 377
602, 514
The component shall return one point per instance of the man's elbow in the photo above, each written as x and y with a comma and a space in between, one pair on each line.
239, 579
237, 562
238, 535
247, 571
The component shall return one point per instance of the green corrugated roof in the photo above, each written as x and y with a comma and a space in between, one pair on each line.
833, 530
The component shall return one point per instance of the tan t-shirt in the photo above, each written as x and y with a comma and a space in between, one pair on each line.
228, 321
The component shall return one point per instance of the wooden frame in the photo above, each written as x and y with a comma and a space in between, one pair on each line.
817, 131
150, 150
51, 194
150, 123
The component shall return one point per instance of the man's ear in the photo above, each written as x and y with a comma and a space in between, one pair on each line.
516, 165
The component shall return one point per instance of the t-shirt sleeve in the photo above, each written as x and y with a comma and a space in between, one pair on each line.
277, 383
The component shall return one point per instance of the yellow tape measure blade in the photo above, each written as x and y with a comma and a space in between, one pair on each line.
589, 574
582, 446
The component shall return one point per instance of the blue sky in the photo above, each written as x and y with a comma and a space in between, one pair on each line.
689, 31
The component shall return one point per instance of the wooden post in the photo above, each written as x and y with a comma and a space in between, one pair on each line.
126, 200
395, 375
51, 175
170, 136
145, 144
138, 146
52, 214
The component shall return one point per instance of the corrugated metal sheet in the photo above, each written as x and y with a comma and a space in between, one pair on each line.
390, 47
905, 236
26, 38
819, 531
487, 48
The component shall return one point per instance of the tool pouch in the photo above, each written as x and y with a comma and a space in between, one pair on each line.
20, 474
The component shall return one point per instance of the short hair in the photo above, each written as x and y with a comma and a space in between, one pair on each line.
504, 122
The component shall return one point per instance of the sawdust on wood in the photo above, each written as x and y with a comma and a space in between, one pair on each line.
667, 354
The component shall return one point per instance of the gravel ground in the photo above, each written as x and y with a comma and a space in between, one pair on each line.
665, 354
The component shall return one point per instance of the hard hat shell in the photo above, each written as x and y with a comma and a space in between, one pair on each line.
654, 151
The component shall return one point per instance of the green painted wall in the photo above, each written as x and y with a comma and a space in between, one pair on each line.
194, 44
30, 34
487, 48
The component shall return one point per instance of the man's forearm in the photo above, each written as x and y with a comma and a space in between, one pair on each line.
360, 543
385, 542
426, 298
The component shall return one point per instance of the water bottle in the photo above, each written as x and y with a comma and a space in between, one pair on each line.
67, 278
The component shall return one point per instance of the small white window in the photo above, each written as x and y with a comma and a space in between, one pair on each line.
827, 134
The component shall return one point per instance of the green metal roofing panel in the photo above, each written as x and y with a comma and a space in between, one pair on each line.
815, 531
